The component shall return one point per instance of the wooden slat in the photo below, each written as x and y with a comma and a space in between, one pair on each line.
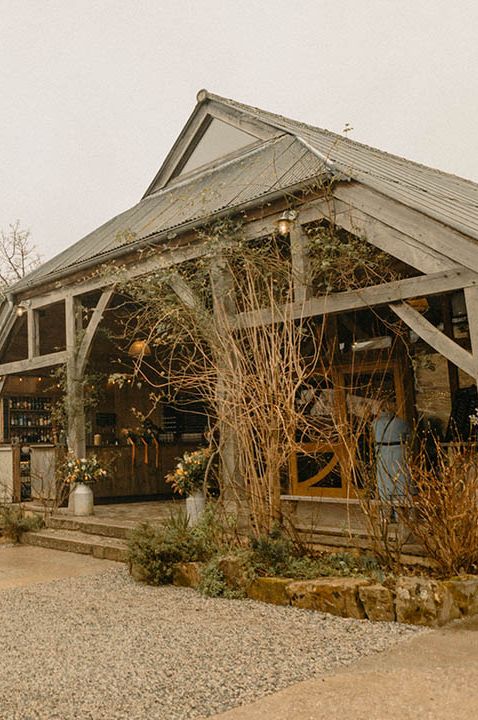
41, 361
392, 240
88, 337
429, 233
433, 284
9, 315
435, 338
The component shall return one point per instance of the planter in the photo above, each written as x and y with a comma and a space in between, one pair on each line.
195, 504
82, 500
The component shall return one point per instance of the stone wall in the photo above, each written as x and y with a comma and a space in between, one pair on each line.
405, 599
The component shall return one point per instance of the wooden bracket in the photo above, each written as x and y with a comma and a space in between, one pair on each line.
436, 339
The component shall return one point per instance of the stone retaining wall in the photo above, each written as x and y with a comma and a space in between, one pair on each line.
412, 600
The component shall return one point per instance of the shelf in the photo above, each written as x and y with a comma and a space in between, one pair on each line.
24, 410
31, 427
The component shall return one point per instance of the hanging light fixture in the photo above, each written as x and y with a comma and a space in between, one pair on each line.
420, 304
285, 222
139, 348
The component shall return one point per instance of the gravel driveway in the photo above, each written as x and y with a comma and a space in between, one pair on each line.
105, 647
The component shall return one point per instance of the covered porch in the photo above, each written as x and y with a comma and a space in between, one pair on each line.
417, 333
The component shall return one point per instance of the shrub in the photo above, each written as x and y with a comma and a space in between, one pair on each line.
15, 522
148, 549
277, 554
442, 512
214, 583
156, 549
272, 554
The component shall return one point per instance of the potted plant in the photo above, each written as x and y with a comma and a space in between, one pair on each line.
188, 478
80, 474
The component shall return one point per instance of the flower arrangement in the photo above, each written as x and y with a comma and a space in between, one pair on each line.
83, 470
189, 473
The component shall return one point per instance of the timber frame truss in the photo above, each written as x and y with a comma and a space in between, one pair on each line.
447, 258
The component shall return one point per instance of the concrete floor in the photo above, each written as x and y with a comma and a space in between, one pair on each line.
433, 676
130, 514
22, 565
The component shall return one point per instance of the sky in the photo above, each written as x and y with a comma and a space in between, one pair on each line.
94, 93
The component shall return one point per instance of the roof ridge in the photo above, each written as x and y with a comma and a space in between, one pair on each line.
284, 121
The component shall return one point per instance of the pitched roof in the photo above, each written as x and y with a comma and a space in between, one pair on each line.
274, 166
287, 152
447, 198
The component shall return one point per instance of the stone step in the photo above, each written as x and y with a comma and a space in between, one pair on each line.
340, 540
106, 548
91, 526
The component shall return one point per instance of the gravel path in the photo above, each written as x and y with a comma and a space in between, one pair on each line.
106, 647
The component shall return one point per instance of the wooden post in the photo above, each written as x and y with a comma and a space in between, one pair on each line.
224, 306
300, 264
75, 406
453, 375
33, 336
471, 299
16, 474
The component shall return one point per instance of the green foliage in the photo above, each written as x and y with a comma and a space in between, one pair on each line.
151, 550
342, 261
156, 549
14, 522
275, 554
214, 584
216, 533
272, 554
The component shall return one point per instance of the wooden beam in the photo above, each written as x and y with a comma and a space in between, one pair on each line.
243, 121
41, 361
9, 316
73, 322
392, 240
184, 292
435, 338
172, 159
88, 337
224, 308
433, 236
151, 260
367, 297
33, 333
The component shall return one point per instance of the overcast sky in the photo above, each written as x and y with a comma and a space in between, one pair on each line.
94, 92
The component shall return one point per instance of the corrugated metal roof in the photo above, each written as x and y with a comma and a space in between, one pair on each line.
274, 165
447, 198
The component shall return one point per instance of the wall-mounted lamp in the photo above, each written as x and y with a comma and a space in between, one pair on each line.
22, 307
285, 222
139, 348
